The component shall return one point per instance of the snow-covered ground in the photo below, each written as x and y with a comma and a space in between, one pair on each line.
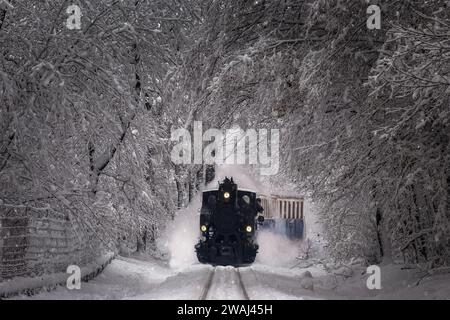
145, 278
121, 279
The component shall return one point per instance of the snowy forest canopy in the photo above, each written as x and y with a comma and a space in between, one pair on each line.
86, 115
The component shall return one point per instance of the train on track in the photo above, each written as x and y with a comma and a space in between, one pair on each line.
229, 219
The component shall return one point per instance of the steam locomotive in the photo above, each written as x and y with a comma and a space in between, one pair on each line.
228, 223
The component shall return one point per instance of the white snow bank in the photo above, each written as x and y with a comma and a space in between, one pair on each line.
31, 285
123, 278
133, 278
397, 284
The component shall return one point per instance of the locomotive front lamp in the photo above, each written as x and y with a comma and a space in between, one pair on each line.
203, 228
226, 195
248, 229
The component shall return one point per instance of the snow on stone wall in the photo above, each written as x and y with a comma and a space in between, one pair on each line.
39, 242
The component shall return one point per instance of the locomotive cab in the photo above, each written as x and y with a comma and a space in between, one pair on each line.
228, 224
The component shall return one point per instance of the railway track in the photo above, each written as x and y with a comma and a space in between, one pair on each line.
207, 285
241, 284
224, 283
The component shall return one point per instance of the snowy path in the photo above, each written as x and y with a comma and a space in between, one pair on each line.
149, 279
140, 279
225, 283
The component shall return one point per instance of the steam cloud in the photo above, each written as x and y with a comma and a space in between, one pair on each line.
275, 249
181, 235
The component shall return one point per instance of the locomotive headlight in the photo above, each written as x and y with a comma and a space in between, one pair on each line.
226, 195
248, 229
203, 228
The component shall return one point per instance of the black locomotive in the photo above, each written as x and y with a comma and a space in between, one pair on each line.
228, 223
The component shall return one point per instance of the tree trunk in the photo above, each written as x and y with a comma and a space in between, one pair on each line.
210, 173
2, 17
199, 178
385, 239
191, 183
179, 194
180, 189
